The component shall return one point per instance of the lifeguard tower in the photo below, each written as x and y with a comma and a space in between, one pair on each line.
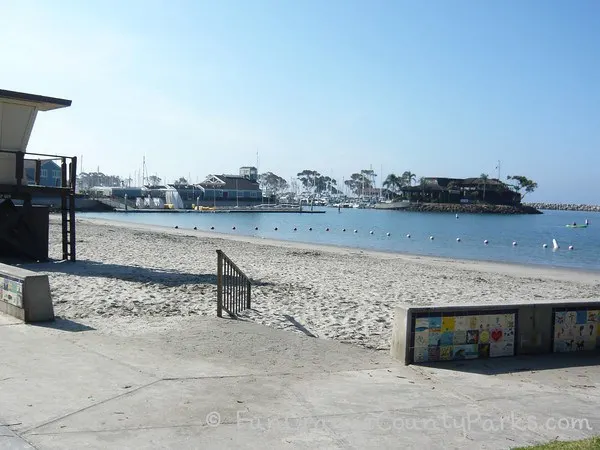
24, 225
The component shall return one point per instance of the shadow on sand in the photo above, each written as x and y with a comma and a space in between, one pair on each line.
86, 268
137, 274
64, 325
523, 363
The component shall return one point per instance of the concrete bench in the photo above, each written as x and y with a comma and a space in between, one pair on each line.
444, 333
25, 294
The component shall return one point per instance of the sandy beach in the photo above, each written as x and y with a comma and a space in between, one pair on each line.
137, 276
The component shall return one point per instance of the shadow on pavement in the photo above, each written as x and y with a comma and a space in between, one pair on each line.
64, 325
523, 363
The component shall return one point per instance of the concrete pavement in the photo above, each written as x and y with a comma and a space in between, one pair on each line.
216, 383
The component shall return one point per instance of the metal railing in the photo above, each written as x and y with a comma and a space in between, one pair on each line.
233, 287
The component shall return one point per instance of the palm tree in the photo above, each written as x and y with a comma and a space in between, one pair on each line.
484, 177
408, 177
394, 183
153, 180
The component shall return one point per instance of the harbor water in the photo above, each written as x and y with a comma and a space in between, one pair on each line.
510, 238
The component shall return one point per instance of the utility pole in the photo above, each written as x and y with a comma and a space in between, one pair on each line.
498, 168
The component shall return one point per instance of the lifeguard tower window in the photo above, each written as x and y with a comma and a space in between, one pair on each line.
24, 221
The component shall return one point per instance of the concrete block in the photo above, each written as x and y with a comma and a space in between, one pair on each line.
25, 294
534, 329
400, 344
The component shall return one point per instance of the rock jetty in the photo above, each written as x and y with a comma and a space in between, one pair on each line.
467, 208
565, 207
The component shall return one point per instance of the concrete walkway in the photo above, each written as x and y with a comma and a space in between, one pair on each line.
216, 383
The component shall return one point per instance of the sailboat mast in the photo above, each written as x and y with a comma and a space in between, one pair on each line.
381, 181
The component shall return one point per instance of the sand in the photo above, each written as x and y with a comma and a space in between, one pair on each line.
131, 275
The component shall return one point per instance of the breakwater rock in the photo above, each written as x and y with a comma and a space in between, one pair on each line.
475, 209
565, 207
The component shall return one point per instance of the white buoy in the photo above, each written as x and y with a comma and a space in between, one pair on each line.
545, 245
457, 239
295, 229
356, 231
431, 238
387, 234
587, 222
514, 243
408, 236
343, 229
486, 242
457, 216
371, 232
555, 244
571, 247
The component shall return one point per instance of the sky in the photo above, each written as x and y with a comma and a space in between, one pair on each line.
440, 88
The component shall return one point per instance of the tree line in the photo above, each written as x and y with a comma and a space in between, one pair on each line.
312, 180
364, 180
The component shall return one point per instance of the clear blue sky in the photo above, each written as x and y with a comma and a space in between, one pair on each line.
441, 88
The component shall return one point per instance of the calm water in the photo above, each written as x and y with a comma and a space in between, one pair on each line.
529, 231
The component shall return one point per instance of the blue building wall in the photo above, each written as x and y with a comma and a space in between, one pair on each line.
50, 174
